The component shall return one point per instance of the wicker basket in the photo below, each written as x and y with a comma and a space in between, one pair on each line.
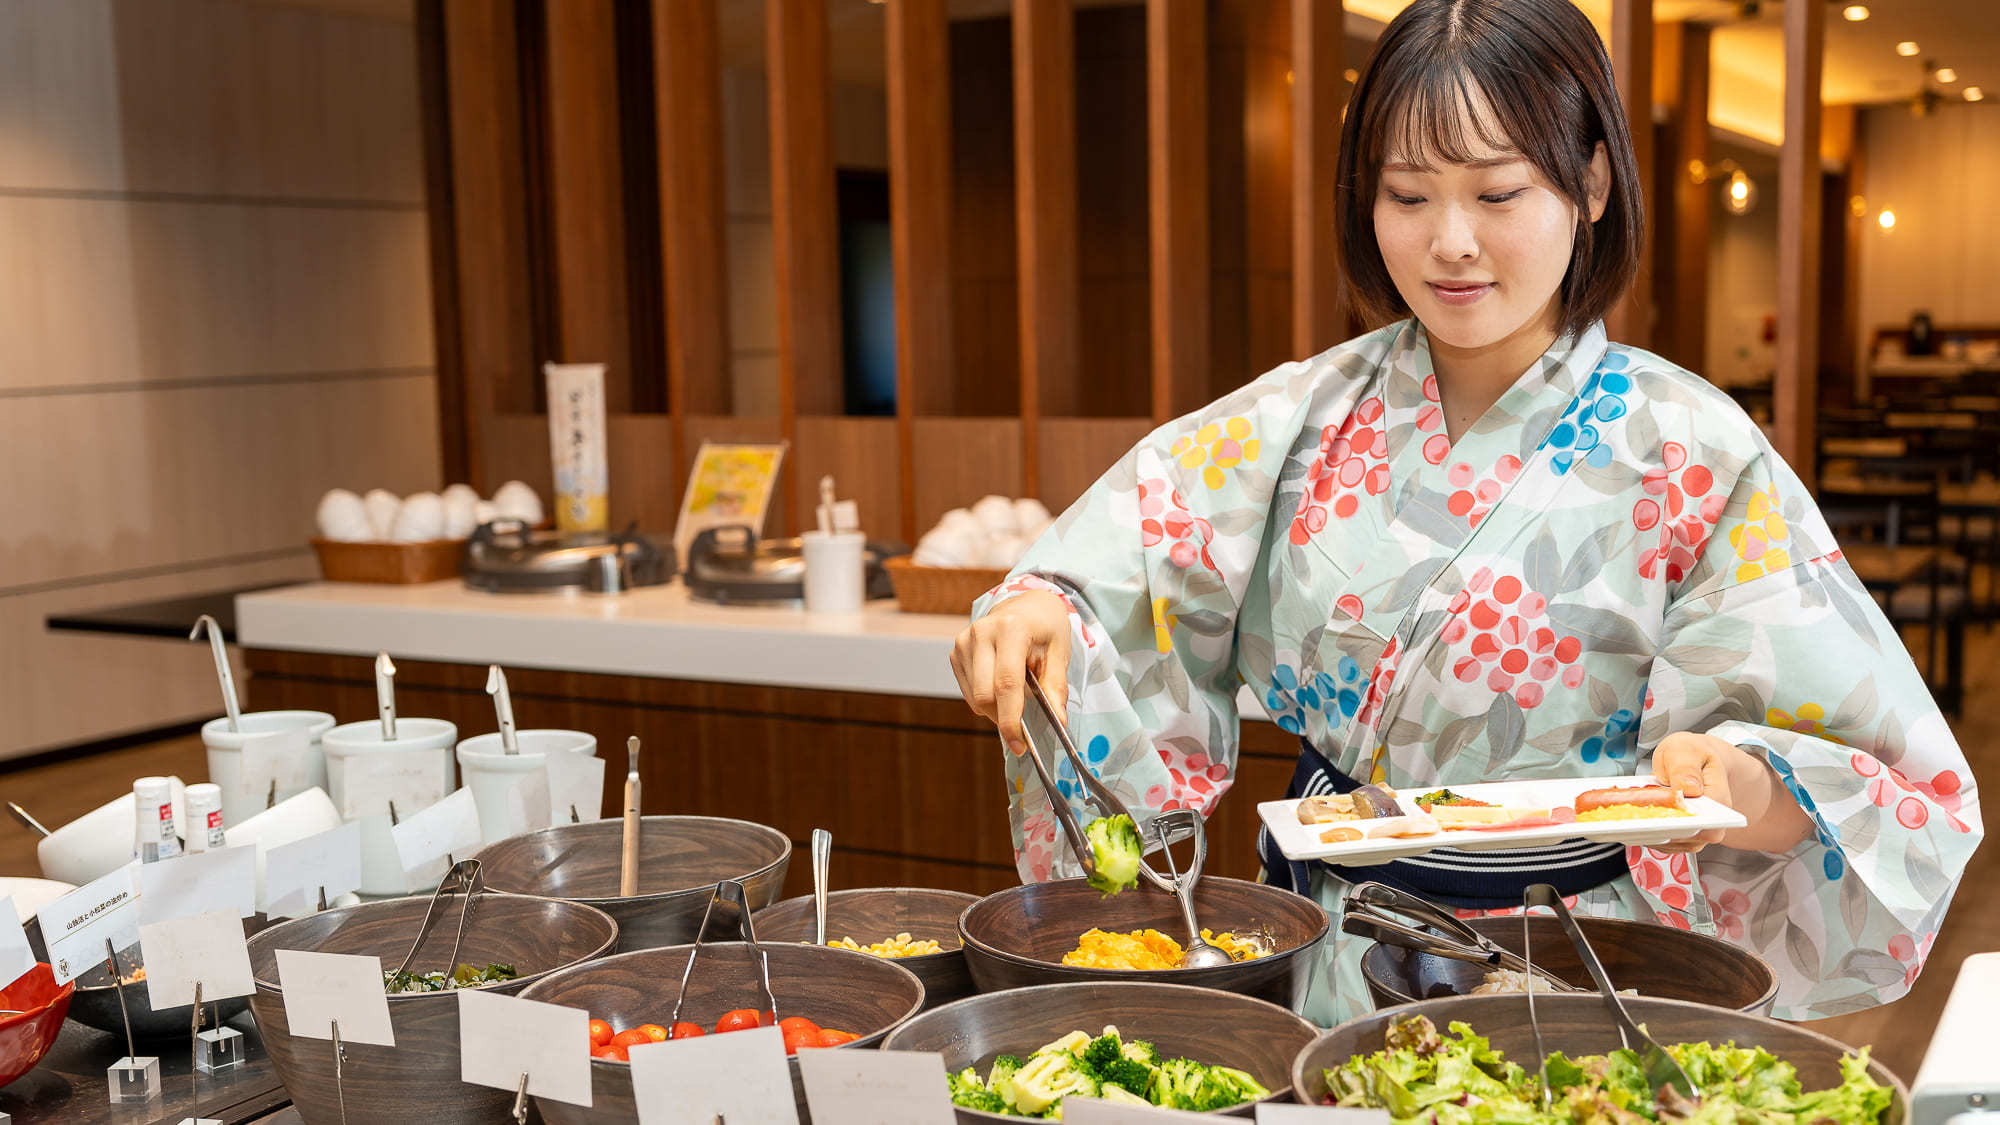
940, 589
398, 563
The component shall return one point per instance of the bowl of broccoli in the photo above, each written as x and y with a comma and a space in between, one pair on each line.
1022, 1053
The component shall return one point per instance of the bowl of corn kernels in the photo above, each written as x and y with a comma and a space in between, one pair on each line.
915, 926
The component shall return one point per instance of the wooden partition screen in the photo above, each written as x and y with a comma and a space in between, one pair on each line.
1094, 216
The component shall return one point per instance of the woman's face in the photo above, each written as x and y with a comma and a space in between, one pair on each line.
1479, 250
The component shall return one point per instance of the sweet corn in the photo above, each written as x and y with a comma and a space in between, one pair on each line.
902, 945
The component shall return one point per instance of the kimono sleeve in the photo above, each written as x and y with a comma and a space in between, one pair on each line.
1154, 562
1779, 650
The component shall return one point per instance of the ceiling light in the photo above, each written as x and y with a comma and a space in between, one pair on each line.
1855, 13
1887, 219
1946, 74
1908, 49
1740, 194
1974, 94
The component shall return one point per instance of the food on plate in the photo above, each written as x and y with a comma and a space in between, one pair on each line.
465, 976
1489, 817
1108, 1066
1632, 802
1370, 802
1340, 834
1501, 982
902, 945
800, 1033
1148, 950
1459, 1079
1115, 852
1448, 798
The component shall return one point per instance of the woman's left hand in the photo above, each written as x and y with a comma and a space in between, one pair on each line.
1701, 765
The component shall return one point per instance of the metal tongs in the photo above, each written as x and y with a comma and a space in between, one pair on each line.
1095, 790
464, 876
1662, 1071
1372, 910
732, 891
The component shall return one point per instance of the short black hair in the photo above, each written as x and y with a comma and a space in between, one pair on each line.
1548, 82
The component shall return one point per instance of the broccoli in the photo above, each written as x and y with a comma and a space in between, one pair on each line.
968, 1091
1074, 1043
1115, 851
1102, 1051
1186, 1084
1117, 1095
1003, 1067
1044, 1081
1140, 1051
1124, 1073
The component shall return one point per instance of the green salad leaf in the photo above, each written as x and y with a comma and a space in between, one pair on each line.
1107, 1066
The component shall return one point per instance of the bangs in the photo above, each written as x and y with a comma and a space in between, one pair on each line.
1442, 116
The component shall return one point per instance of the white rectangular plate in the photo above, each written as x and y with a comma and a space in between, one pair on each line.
1301, 842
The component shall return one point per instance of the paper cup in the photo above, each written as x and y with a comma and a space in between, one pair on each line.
304, 814
225, 757
98, 842
491, 773
381, 869
835, 572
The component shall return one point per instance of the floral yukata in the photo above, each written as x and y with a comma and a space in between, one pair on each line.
1611, 554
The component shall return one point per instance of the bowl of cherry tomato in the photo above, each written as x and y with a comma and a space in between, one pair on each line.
827, 999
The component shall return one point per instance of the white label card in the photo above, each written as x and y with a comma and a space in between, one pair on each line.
503, 1037
741, 1076
448, 828
282, 756
1320, 1115
222, 879
370, 781
576, 781
77, 925
16, 957
294, 873
1092, 1111
876, 1087
320, 988
198, 947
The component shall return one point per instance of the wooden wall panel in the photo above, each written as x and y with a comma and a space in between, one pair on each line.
1318, 92
1076, 451
865, 461
962, 460
985, 268
1045, 213
803, 204
1631, 320
1114, 356
586, 193
1797, 382
920, 217
1177, 145
1681, 227
688, 86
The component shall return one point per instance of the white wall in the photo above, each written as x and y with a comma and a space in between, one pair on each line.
214, 305
1742, 275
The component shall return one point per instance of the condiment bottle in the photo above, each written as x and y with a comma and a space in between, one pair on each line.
154, 837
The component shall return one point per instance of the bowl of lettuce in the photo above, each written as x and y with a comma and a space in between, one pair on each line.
1473, 1061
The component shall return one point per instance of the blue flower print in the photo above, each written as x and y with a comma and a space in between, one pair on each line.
1831, 863
1336, 694
1066, 779
1620, 737
1579, 435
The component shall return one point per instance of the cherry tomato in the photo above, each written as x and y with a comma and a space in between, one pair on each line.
742, 1019
654, 1032
797, 1038
832, 1038
631, 1037
600, 1033
686, 1030
790, 1022
597, 1052
616, 1051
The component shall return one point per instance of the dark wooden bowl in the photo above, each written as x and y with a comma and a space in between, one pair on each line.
879, 913
95, 1001
1183, 1022
1581, 1025
681, 858
418, 1077
1654, 959
837, 988
1017, 937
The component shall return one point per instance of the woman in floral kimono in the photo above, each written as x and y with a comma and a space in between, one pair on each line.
1483, 543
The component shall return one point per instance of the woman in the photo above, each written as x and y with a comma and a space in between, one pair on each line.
1482, 543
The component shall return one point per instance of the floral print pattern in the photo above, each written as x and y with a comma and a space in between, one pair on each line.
1613, 529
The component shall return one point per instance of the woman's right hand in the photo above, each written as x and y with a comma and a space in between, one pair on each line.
993, 656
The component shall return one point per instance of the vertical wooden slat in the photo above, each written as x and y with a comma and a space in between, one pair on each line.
804, 220
1318, 89
586, 187
1680, 233
1045, 205
688, 91
489, 206
1797, 382
1630, 321
1177, 171
434, 86
1857, 228
920, 206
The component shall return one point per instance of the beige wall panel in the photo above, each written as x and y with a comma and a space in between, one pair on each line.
119, 481
62, 687
1076, 451
208, 97
861, 456
960, 460
99, 291
1937, 173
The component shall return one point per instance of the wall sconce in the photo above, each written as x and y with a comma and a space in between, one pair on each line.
1739, 194
1886, 220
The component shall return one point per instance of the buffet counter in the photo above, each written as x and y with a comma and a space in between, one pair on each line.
851, 723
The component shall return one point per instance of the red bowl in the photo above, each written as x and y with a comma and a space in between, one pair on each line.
26, 1037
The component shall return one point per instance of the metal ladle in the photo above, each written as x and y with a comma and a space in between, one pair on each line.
1199, 954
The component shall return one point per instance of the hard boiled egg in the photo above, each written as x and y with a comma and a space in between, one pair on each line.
342, 517
459, 505
382, 506
517, 501
1029, 514
420, 519
996, 515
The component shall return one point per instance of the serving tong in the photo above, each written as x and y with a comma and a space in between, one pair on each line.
732, 891
1100, 795
1372, 912
1661, 1070
464, 877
